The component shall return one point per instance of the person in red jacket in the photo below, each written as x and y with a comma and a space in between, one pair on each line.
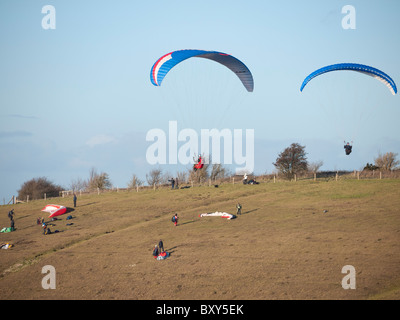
175, 219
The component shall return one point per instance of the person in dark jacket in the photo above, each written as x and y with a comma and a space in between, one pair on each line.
347, 148
172, 180
75, 198
161, 246
238, 209
155, 251
11, 214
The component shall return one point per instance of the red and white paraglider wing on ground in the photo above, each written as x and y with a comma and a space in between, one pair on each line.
54, 210
218, 214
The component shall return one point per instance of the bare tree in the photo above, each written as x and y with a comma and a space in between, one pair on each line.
103, 181
315, 166
154, 177
292, 161
218, 171
92, 177
387, 161
78, 184
135, 182
166, 178
182, 176
98, 181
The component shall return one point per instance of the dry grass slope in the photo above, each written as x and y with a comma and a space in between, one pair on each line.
283, 246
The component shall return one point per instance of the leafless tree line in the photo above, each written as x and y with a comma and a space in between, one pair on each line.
95, 181
290, 163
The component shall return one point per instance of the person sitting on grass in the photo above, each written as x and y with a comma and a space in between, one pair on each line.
155, 251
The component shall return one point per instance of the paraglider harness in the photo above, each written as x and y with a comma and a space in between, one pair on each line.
199, 164
348, 148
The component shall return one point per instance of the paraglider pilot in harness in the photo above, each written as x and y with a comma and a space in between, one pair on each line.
347, 148
199, 164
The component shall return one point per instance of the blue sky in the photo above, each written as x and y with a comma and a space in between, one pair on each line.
79, 96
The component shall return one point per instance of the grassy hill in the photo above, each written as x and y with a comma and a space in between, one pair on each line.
283, 246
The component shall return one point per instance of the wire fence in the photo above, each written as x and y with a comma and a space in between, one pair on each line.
234, 180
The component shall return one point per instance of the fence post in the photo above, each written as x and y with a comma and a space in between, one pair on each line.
45, 197
358, 175
336, 175
274, 178
315, 176
380, 175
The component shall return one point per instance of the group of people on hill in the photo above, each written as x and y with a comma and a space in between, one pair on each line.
174, 183
158, 249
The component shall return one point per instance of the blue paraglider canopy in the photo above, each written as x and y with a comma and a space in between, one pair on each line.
164, 64
373, 72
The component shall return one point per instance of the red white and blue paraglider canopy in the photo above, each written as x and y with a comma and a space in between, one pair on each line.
164, 64
54, 210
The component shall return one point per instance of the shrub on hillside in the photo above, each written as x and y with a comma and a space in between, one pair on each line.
37, 187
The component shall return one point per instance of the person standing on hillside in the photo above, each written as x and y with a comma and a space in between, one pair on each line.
75, 198
11, 214
161, 246
175, 219
238, 209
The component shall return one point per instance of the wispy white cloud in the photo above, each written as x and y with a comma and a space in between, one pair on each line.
99, 140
